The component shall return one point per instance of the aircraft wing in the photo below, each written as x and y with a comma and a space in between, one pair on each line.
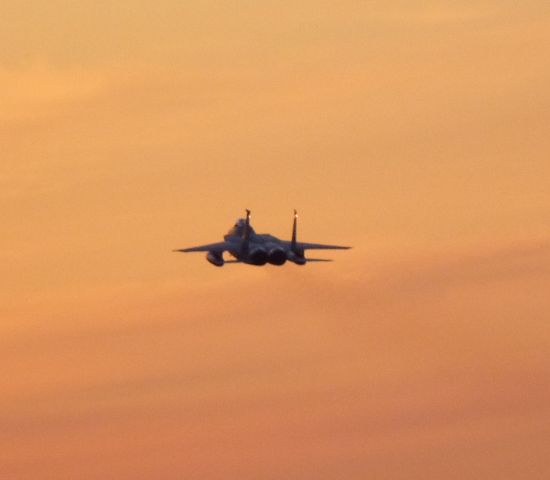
219, 247
319, 246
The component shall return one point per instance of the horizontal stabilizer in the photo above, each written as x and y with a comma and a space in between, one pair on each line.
319, 246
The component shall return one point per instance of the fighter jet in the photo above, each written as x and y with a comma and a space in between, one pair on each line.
247, 246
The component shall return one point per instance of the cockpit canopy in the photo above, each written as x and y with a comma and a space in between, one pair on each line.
238, 228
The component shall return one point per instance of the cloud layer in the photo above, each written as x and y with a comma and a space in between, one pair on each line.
434, 368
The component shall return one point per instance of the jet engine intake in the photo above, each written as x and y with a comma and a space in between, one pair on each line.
215, 258
257, 256
277, 256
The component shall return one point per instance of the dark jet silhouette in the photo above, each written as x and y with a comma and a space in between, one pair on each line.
247, 246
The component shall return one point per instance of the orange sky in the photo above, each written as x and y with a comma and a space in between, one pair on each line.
415, 131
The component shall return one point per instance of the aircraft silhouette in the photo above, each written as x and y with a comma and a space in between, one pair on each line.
247, 246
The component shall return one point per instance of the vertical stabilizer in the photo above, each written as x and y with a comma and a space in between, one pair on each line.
294, 228
246, 233
296, 253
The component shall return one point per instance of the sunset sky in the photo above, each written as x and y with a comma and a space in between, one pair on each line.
416, 131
